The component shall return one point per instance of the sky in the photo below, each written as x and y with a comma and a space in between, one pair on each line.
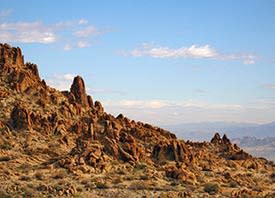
162, 62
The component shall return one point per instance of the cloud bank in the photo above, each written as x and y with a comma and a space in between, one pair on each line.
191, 52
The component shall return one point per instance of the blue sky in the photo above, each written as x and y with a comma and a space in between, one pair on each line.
163, 62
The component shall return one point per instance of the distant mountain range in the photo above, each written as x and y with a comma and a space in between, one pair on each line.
257, 139
205, 130
260, 147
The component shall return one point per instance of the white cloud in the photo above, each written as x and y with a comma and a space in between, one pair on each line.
172, 112
88, 31
67, 47
61, 81
164, 112
5, 13
83, 44
38, 32
156, 104
82, 22
27, 32
193, 51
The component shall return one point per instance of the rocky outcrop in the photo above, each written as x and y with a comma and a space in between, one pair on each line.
79, 92
65, 134
20, 118
173, 150
216, 139
10, 56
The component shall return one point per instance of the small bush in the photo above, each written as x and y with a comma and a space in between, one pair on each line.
25, 178
144, 177
39, 176
102, 185
60, 175
233, 184
140, 166
211, 188
6, 146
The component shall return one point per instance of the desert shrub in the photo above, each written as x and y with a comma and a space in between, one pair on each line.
25, 178
5, 159
233, 184
28, 192
39, 176
102, 185
4, 195
26, 168
121, 172
211, 188
117, 180
140, 166
6, 145
60, 175
272, 175
144, 177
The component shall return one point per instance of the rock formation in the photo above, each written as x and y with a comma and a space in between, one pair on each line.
56, 143
79, 92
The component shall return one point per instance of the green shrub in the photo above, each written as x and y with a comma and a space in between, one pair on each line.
211, 188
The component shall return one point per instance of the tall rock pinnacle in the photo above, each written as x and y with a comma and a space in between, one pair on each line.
79, 91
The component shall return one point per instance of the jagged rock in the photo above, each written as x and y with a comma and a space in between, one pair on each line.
173, 150
33, 68
98, 107
10, 56
20, 118
130, 146
90, 101
216, 139
225, 140
79, 91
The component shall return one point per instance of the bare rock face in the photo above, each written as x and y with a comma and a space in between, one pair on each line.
10, 56
79, 91
20, 118
173, 150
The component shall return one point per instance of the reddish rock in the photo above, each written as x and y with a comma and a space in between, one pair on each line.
98, 107
225, 140
216, 139
130, 146
10, 56
79, 91
20, 118
173, 150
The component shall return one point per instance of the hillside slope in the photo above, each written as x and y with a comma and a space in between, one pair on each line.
56, 143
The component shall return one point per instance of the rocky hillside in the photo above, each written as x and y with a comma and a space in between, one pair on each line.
55, 143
